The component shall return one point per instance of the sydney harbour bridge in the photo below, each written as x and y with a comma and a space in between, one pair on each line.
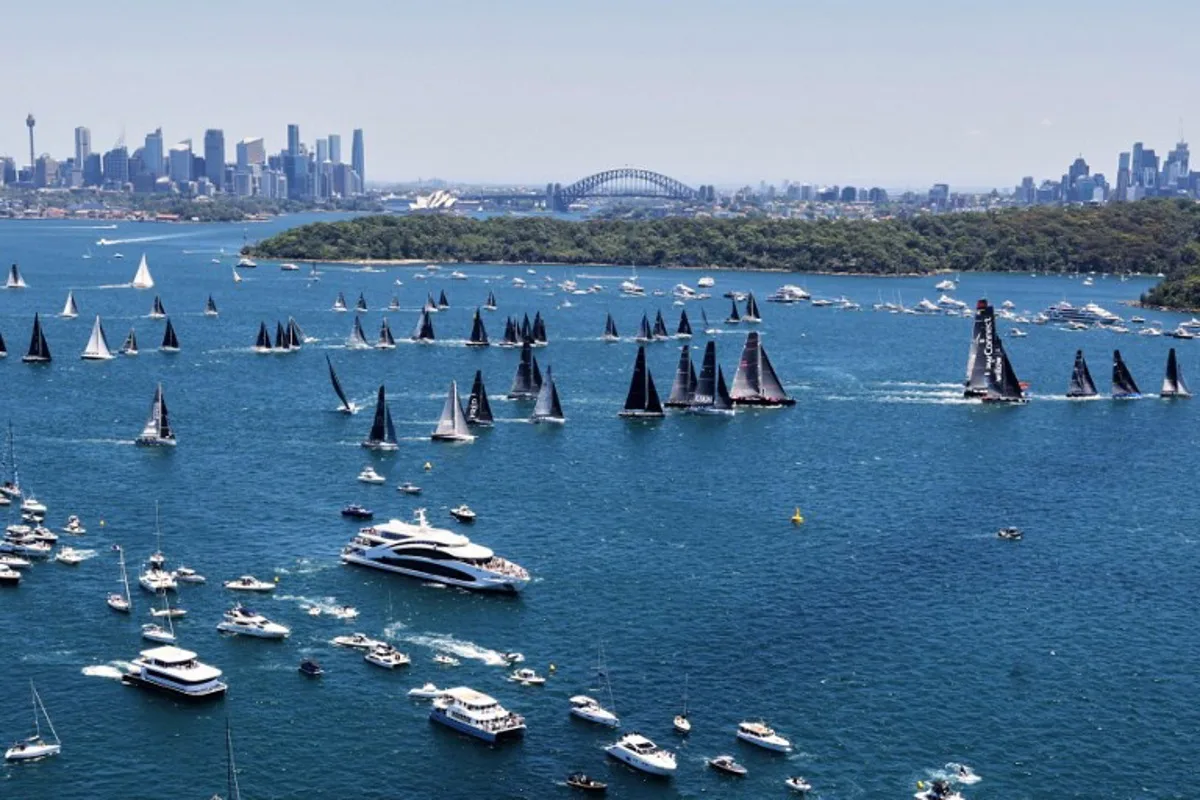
625, 182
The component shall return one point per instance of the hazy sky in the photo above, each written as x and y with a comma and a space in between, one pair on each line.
874, 92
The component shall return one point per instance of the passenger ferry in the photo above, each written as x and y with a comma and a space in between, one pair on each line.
476, 714
175, 671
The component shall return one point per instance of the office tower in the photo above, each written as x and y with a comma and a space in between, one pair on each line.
152, 153
1122, 193
357, 158
335, 148
181, 162
214, 157
1136, 163
251, 151
1175, 171
83, 145
293, 140
116, 166
93, 174
322, 151
45, 172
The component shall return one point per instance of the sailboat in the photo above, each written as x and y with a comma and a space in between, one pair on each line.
347, 407
442, 301
537, 332
976, 381
711, 395
644, 333
295, 334
116, 600
1081, 379
1123, 385
340, 304
236, 277
70, 310
684, 385
156, 633
3, 347
682, 724
357, 340
210, 307
708, 327
588, 708
479, 337
660, 327
170, 342
548, 408
262, 343
232, 790
157, 432
431, 306
361, 306
452, 425
130, 348
383, 432
991, 377
39, 349
12, 487
523, 386
15, 281
734, 317
141, 278
510, 334
490, 303
1173, 383
157, 310
752, 314
755, 382
642, 400
283, 342
394, 304
386, 340
97, 345
684, 330
424, 330
610, 329
479, 410
35, 747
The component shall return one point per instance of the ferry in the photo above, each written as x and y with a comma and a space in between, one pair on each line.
476, 714
175, 671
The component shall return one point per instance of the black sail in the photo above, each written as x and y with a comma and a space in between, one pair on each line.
610, 328
170, 341
537, 376
723, 401
479, 410
337, 387
680, 396
263, 342
295, 334
210, 307
479, 337
755, 382
1082, 384
3, 347
1173, 383
281, 339
39, 349
522, 385
548, 407
158, 309
660, 327
538, 331
383, 433
386, 339
644, 333
976, 382
424, 330
685, 326
734, 316
642, 399
526, 330
361, 305
706, 386
442, 301
490, 305
751, 308
1123, 384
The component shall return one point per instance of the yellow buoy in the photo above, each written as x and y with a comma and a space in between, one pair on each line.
553, 668
797, 518
428, 466
101, 523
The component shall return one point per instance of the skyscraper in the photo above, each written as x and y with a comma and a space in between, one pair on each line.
335, 148
1122, 193
83, 145
322, 151
251, 151
116, 166
293, 142
152, 153
214, 157
357, 158
181, 162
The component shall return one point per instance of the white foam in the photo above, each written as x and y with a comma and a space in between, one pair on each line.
323, 605
457, 647
112, 670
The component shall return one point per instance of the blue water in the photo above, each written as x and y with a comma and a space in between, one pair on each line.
888, 635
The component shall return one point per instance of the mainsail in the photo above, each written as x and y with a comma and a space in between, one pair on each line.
642, 399
263, 343
386, 340
383, 433
157, 311
976, 382
547, 408
755, 382
660, 327
538, 331
1002, 383
97, 346
347, 406
710, 395
479, 337
752, 314
70, 310
1173, 383
15, 281
685, 380
170, 342
442, 301
526, 330
39, 350
490, 305
684, 331
295, 335
358, 340
523, 387
452, 425
157, 430
1081, 379
142, 279
1122, 382
733, 318
130, 348
610, 329
479, 410
282, 342
644, 333
210, 307
424, 330
723, 402
361, 305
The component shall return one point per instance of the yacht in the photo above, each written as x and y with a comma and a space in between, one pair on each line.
727, 766
74, 526
156, 579
9, 576
245, 262
445, 660
1181, 333
32, 505
937, 790
420, 550
289, 267
788, 293
408, 487
14, 562
527, 677
242, 620
427, 692
35, 747
758, 733
946, 286
369, 475
706, 282
249, 583
152, 632
630, 288
188, 575
642, 754
463, 513
1090, 314
176, 671
588, 708
476, 714
358, 641
69, 556
386, 656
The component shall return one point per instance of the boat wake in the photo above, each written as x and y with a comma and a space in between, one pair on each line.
113, 670
139, 239
322, 606
462, 649
84, 555
114, 286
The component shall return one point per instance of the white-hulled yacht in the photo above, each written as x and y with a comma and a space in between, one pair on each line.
246, 622
588, 708
760, 734
175, 671
642, 754
35, 747
249, 583
358, 641
386, 656
156, 579
476, 714
420, 550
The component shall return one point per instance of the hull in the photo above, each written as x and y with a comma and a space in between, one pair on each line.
213, 693
384, 447
148, 441
32, 753
488, 736
638, 763
500, 584
709, 411
763, 402
640, 414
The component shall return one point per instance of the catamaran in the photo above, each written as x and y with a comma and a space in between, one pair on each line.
642, 400
711, 395
452, 425
157, 431
383, 432
548, 408
684, 330
755, 382
752, 314
1123, 385
97, 345
157, 310
347, 407
210, 307
116, 600
528, 379
70, 310
15, 281
610, 329
39, 349
386, 340
1081, 378
424, 331
141, 278
684, 385
35, 747
170, 342
479, 337
130, 347
262, 343
1173, 383
357, 340
479, 410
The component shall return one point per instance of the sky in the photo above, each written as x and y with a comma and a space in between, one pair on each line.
869, 93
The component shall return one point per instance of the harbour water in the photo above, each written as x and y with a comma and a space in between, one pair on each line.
890, 634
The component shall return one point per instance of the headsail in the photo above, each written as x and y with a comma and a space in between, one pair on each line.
976, 381
170, 342
684, 379
548, 408
142, 279
684, 331
1002, 383
70, 310
39, 349
452, 425
755, 382
522, 386
97, 346
1123, 384
479, 410
723, 401
642, 399
282, 342
358, 340
347, 406
1173, 383
479, 337
1081, 378
383, 433
295, 335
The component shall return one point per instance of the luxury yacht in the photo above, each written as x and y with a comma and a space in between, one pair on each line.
249, 623
369, 475
175, 670
249, 583
589, 708
642, 754
420, 550
1090, 314
386, 656
476, 714
758, 733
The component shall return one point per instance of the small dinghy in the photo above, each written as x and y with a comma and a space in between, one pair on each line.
311, 668
580, 781
798, 784
427, 692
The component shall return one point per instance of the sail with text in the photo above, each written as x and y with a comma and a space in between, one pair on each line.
734, 317
976, 382
711, 395
1173, 383
282, 341
157, 309
70, 309
548, 408
479, 337
538, 331
346, 407
644, 332
751, 314
523, 387
684, 331
157, 430
1082, 384
141, 278
130, 347
39, 349
262, 344
660, 327
685, 381
358, 339
490, 305
170, 342
452, 425
383, 432
210, 307
15, 281
386, 340
1002, 383
755, 382
479, 410
442, 301
97, 345
1123, 385
642, 399
424, 330
610, 329
361, 306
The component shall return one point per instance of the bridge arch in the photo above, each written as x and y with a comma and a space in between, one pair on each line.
622, 182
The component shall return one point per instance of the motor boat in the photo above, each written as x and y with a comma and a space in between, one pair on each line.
427, 692
946, 286
798, 784
580, 781
458, 276
74, 526
245, 262
287, 266
463, 513
513, 658
963, 774
727, 766
14, 562
386, 656
69, 556
156, 579
359, 641
41, 533
32, 505
156, 633
188, 575
937, 790
642, 754
369, 475
706, 282
1010, 533
1181, 333
9, 576
761, 735
475, 714
355, 511
1017, 333
10, 489
682, 724
588, 708
527, 677
242, 620
408, 488
170, 612
175, 671
445, 660
311, 668
249, 583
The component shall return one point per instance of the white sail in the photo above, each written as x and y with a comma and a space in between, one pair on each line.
70, 310
142, 279
236, 278
452, 426
97, 346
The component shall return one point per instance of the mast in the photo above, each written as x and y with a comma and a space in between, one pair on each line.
337, 387
232, 788
37, 703
1081, 378
479, 411
125, 579
1123, 384
479, 337
1173, 383
170, 342
97, 346
39, 350
684, 331
680, 397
